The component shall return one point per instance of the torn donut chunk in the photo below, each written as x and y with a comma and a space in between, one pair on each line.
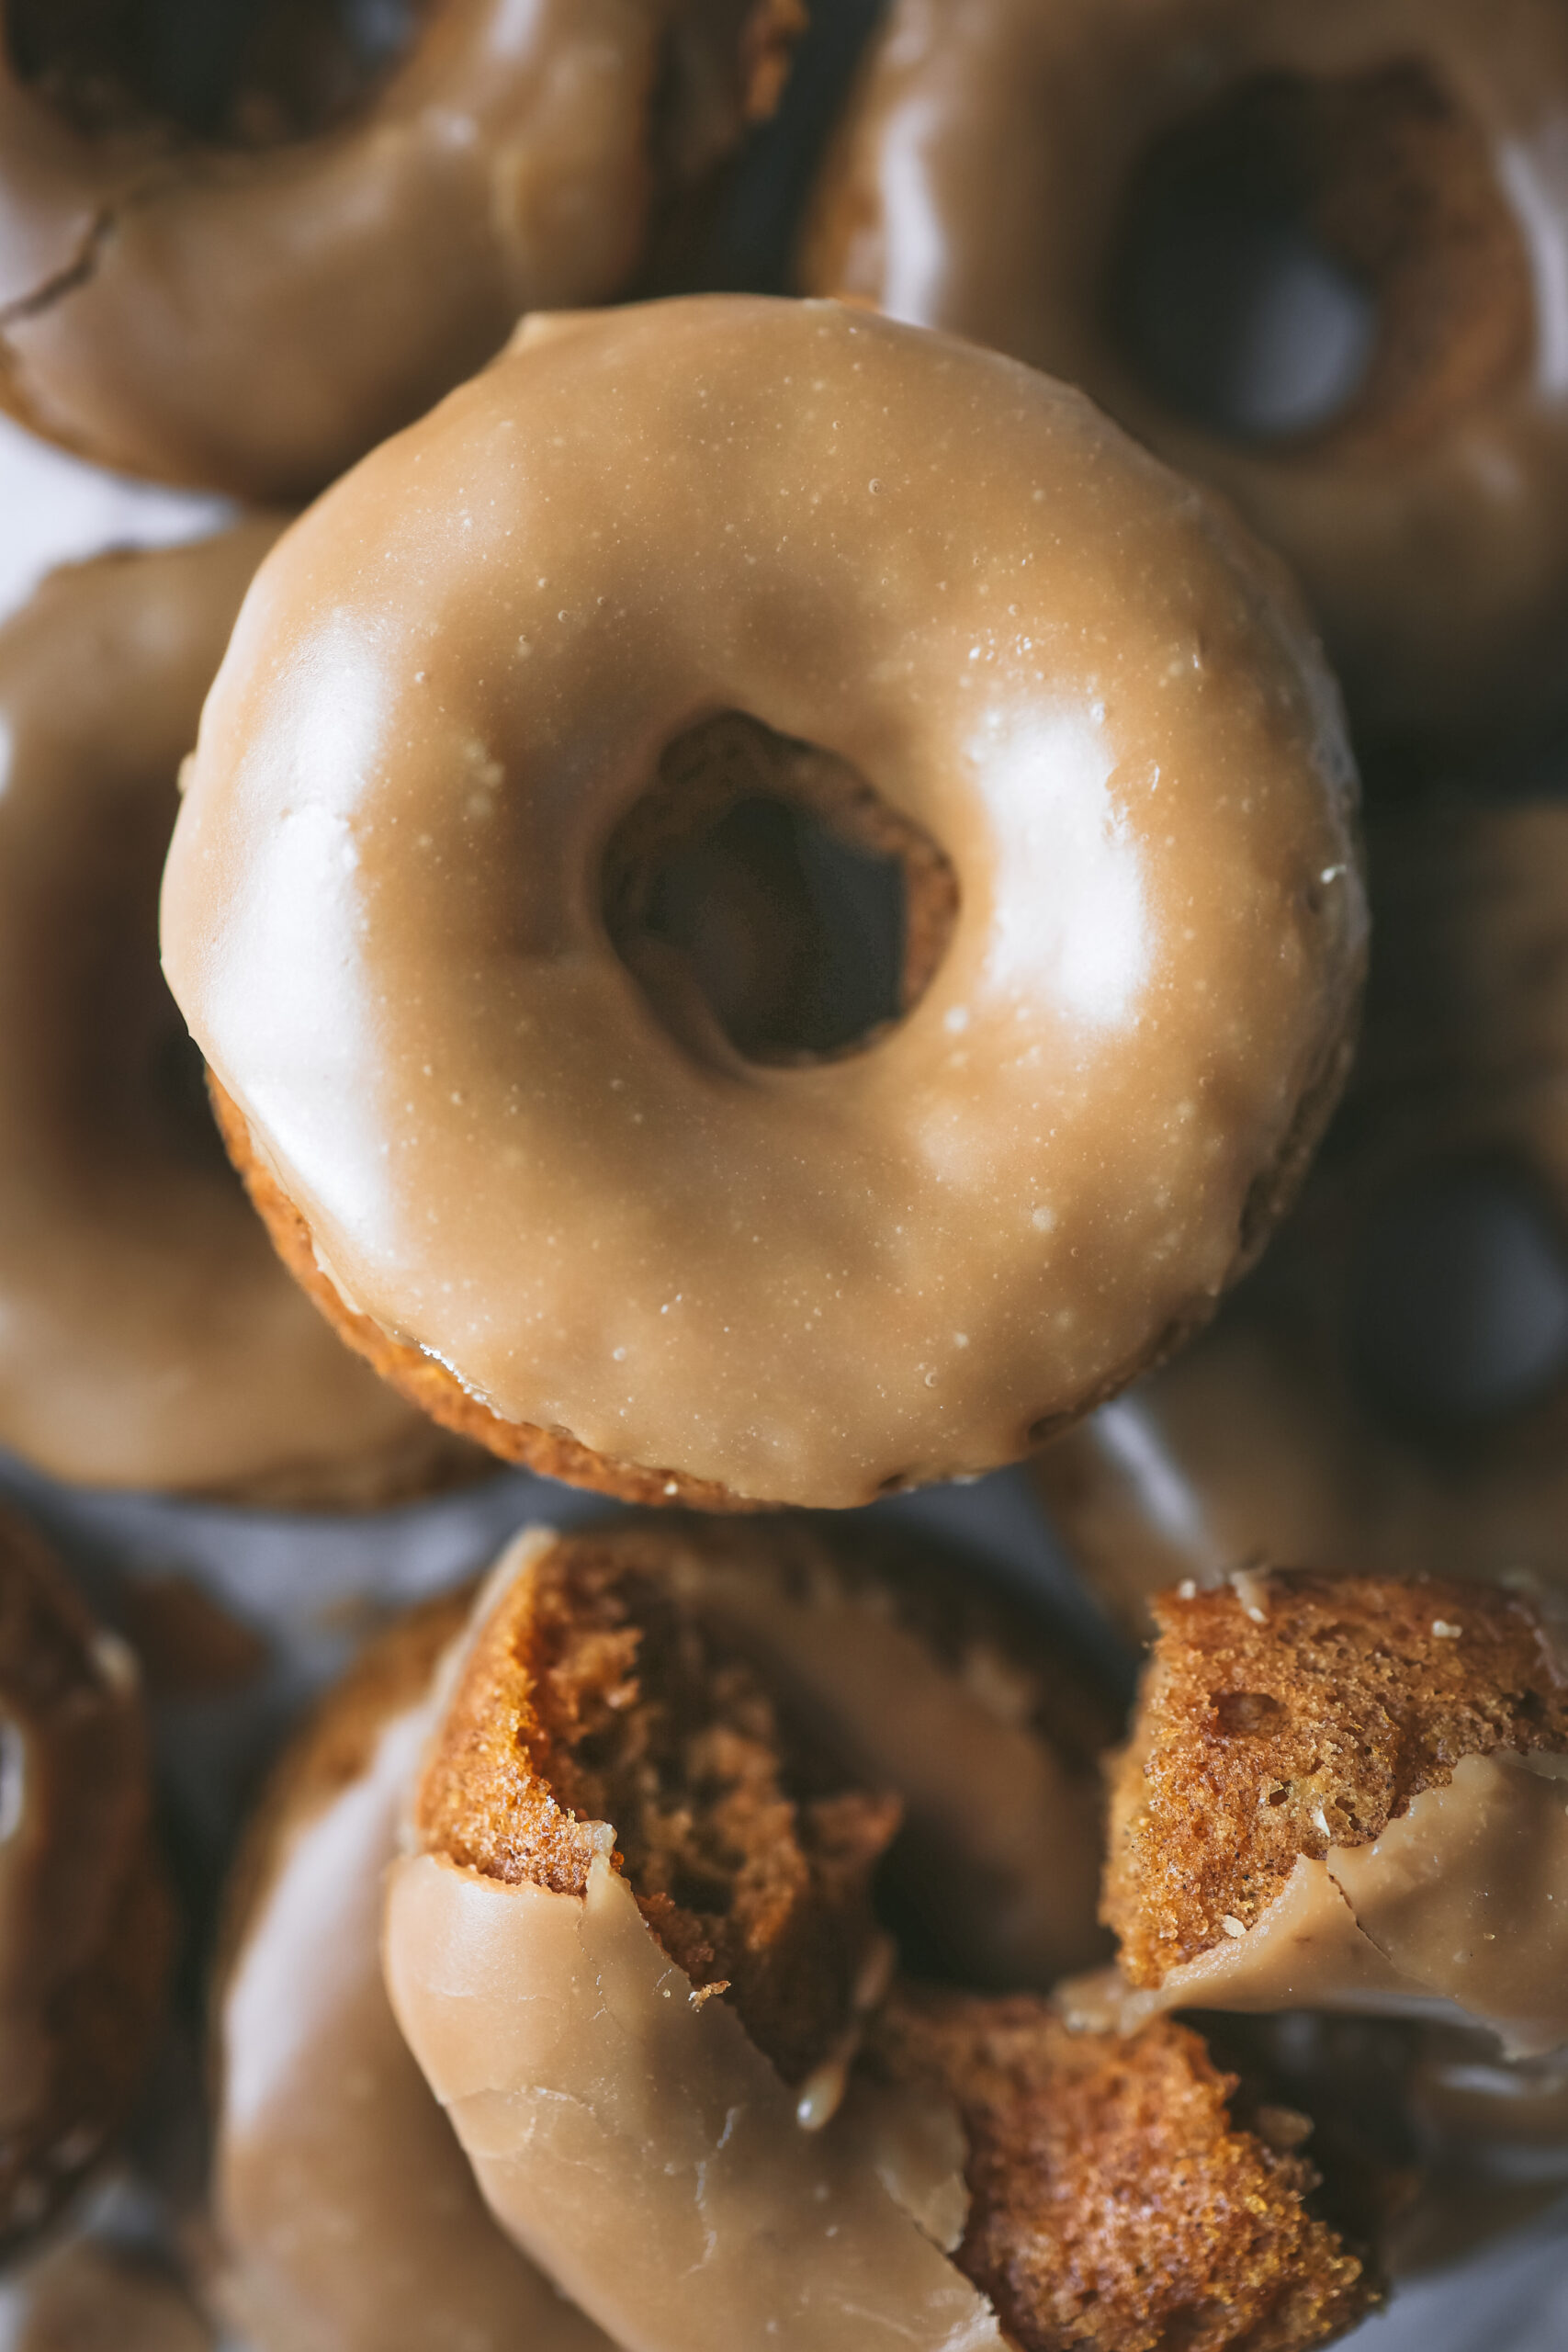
85, 1916
147, 1338
1389, 1391
478, 1077
328, 2140
1348, 1792
634, 1953
1307, 254
1121, 2195
345, 2212
370, 197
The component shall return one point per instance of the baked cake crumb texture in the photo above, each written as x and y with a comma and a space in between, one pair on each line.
1305, 1712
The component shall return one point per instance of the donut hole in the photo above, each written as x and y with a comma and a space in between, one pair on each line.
761, 893
1459, 1310
1323, 261
243, 74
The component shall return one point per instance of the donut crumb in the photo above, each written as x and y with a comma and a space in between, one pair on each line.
593, 1695
1259, 1741
1121, 2196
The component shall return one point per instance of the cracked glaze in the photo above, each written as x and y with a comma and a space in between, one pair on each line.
1459, 1908
382, 917
503, 164
598, 2097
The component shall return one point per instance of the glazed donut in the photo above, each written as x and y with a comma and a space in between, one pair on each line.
1390, 1390
147, 1337
85, 1920
624, 1954
1347, 1792
240, 254
1118, 191
345, 2212
863, 571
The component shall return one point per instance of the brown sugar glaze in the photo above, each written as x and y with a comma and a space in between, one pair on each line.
807, 1283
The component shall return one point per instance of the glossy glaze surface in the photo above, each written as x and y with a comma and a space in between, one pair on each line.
382, 908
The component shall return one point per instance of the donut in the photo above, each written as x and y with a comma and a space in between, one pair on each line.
1313, 255
621, 1812
147, 1335
345, 2210
1347, 1792
239, 247
86, 1946
1390, 1390
893, 582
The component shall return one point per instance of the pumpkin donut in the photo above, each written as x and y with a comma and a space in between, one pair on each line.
1118, 191
345, 2208
866, 575
85, 1920
147, 1338
1390, 1390
240, 254
631, 1946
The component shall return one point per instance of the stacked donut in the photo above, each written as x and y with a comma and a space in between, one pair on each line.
761, 911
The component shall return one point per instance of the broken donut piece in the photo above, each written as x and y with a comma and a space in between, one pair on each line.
1348, 1791
632, 1951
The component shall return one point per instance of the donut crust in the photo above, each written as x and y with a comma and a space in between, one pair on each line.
429, 1384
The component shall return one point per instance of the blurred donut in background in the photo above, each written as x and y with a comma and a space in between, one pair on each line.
1389, 1391
148, 1336
239, 244
1313, 255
